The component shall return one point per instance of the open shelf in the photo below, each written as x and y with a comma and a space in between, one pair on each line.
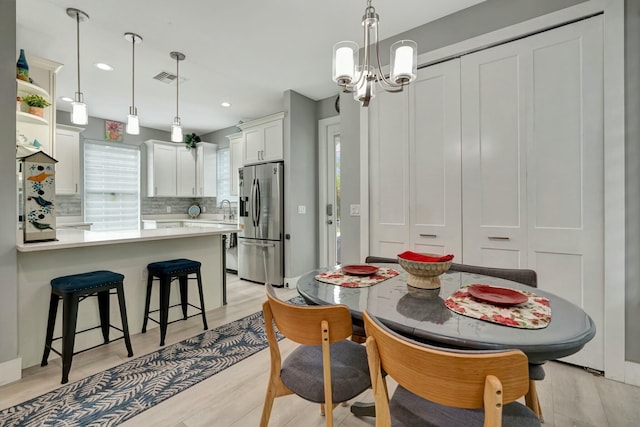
30, 118
25, 88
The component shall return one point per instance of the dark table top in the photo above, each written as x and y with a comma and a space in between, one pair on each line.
421, 314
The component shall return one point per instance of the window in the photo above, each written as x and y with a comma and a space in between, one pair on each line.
111, 186
224, 176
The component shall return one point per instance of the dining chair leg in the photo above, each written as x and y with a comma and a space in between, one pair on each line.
531, 399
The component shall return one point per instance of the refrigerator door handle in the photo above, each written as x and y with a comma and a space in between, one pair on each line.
253, 202
262, 245
257, 202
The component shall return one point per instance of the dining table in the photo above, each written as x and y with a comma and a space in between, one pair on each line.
421, 314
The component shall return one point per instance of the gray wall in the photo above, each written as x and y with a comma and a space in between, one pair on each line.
327, 107
8, 194
300, 183
632, 184
220, 136
94, 130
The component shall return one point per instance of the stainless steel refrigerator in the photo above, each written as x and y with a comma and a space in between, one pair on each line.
260, 241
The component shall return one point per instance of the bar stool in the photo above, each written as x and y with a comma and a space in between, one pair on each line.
71, 290
166, 272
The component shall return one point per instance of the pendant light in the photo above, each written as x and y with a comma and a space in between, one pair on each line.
176, 127
79, 113
360, 79
133, 125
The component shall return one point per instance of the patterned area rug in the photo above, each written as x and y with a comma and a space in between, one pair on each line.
113, 396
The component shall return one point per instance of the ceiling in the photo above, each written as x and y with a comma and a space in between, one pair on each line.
245, 52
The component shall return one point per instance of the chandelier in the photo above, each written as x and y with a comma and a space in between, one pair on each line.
359, 79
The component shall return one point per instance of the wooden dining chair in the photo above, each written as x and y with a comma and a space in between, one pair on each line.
444, 387
325, 368
526, 277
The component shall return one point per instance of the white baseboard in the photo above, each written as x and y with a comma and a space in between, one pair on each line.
632, 373
10, 371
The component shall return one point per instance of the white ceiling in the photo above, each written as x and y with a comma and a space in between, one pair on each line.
246, 52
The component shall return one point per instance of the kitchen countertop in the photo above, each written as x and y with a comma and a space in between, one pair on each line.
74, 238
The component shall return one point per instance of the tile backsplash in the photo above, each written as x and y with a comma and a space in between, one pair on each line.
72, 205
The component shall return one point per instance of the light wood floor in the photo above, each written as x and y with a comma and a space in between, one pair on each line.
569, 395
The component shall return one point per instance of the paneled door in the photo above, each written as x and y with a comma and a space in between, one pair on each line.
532, 144
434, 160
389, 180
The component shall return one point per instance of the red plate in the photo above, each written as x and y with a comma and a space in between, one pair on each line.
498, 296
360, 270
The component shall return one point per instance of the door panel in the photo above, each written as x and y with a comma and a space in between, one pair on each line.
389, 194
566, 179
435, 179
493, 162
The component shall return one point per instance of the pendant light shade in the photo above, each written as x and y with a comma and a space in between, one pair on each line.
79, 113
176, 127
133, 124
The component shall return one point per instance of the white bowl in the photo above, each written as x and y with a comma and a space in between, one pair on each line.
424, 275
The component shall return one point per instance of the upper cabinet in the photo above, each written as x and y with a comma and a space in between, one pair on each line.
67, 153
263, 139
206, 169
31, 127
237, 160
173, 170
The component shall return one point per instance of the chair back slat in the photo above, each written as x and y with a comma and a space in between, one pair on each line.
520, 275
449, 377
302, 324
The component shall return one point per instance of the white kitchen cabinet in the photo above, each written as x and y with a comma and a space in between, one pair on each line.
185, 171
174, 170
263, 139
161, 169
206, 169
235, 150
67, 153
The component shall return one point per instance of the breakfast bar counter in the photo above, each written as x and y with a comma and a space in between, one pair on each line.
125, 252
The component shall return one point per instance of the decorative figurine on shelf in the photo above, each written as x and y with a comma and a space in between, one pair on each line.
191, 140
22, 68
38, 180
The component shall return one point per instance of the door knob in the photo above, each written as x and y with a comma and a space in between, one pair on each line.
329, 222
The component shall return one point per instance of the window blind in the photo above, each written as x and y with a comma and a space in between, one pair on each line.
224, 176
111, 186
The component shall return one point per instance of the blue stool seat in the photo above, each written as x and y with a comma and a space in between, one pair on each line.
174, 266
166, 272
84, 281
73, 289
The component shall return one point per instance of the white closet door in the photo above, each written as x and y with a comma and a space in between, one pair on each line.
493, 157
434, 165
565, 163
389, 169
533, 179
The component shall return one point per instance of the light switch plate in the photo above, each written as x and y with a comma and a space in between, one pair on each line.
302, 209
354, 210
168, 209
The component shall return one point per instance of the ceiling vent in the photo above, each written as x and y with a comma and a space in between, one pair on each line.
168, 78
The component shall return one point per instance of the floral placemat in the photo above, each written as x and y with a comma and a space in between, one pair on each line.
338, 277
532, 314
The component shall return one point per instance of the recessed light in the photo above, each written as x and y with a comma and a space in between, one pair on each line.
66, 99
225, 104
103, 66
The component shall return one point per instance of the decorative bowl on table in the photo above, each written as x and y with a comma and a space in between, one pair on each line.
424, 269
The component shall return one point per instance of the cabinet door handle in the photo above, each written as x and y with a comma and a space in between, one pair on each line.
498, 238
76, 188
428, 235
155, 192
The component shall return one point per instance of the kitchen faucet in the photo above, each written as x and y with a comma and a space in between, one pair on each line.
224, 214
